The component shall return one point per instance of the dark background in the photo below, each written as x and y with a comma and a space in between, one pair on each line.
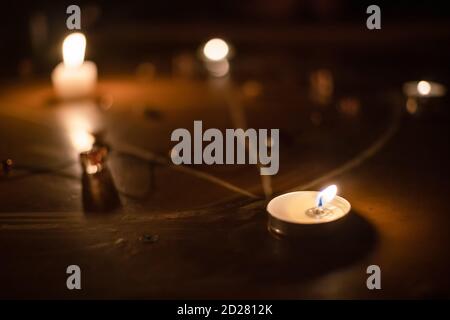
32, 32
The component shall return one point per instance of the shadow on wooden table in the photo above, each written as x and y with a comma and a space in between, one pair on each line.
271, 260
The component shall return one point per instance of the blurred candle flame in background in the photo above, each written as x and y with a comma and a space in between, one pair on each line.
74, 47
216, 49
215, 53
321, 86
424, 87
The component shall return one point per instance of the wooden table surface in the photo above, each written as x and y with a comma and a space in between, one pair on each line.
207, 225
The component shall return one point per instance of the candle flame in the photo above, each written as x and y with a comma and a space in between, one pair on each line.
216, 49
74, 47
326, 195
424, 87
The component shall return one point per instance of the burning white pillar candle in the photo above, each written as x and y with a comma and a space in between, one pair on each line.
306, 208
74, 77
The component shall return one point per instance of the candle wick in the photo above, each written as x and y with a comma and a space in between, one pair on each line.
320, 204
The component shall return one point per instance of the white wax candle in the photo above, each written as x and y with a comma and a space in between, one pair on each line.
292, 207
74, 77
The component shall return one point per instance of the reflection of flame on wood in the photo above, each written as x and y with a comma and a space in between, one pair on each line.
81, 139
218, 68
80, 120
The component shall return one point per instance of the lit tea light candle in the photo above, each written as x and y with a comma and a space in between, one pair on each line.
74, 77
290, 211
423, 89
215, 55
